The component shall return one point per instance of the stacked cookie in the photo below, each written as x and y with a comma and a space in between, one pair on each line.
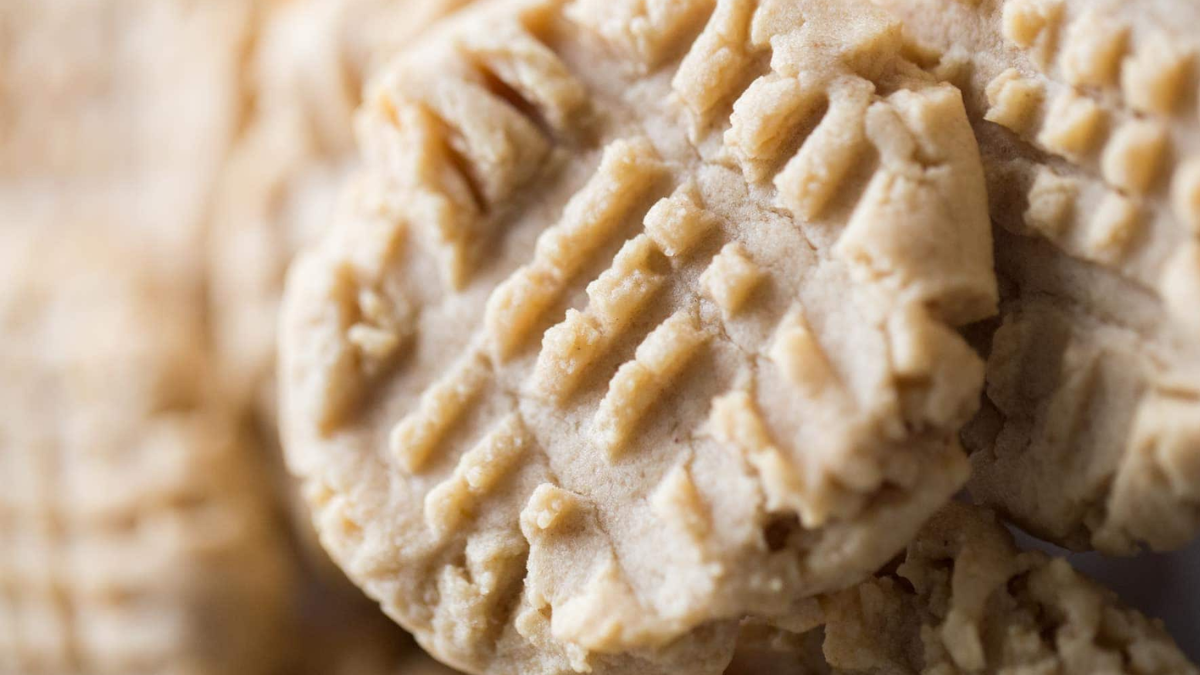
648, 328
619, 336
1086, 118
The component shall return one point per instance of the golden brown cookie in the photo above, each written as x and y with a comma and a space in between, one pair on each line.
133, 537
1086, 117
638, 320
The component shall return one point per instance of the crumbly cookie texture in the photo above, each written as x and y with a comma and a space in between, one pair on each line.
1085, 113
965, 599
640, 318
132, 534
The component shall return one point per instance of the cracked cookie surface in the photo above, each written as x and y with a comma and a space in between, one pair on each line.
639, 319
1086, 114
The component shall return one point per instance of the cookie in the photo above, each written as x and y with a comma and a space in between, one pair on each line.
128, 107
132, 534
964, 598
635, 322
1086, 117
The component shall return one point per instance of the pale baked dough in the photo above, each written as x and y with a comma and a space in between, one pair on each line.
965, 599
639, 319
133, 536
1087, 119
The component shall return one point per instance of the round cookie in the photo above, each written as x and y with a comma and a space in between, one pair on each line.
637, 321
1087, 123
132, 537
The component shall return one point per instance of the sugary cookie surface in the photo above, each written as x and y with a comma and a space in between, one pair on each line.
1088, 127
639, 319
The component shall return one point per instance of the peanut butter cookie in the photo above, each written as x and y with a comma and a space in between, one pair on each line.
640, 318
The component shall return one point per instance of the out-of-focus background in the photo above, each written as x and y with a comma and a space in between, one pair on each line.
160, 163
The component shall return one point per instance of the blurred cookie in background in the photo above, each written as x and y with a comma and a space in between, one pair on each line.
965, 598
137, 532
119, 108
134, 536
